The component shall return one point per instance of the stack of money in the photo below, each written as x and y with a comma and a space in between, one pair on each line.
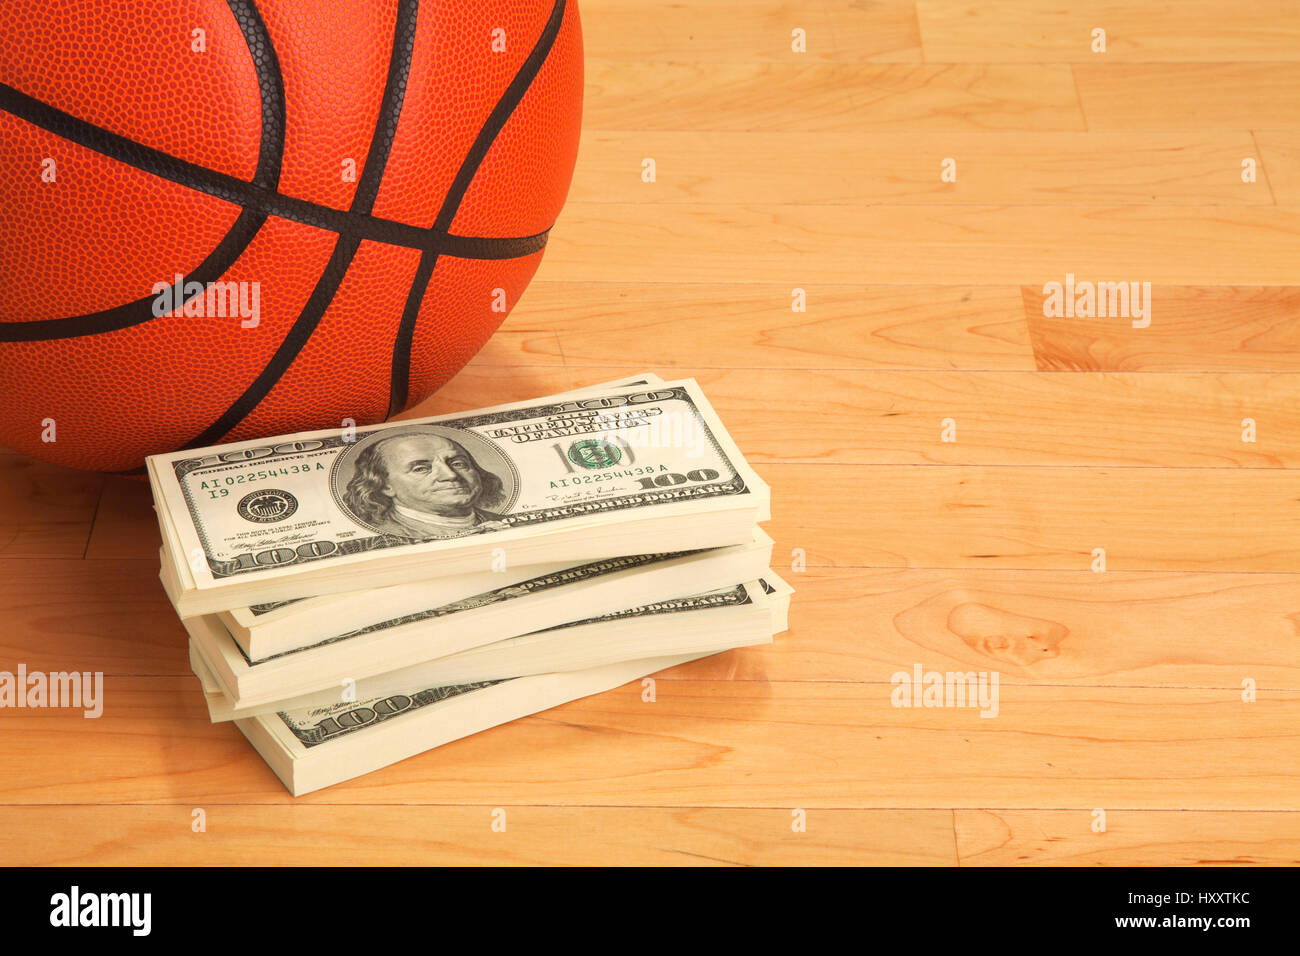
354, 597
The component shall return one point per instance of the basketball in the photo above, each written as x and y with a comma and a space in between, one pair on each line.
224, 220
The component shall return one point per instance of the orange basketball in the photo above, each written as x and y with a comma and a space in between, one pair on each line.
221, 220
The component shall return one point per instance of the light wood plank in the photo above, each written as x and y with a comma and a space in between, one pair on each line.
1204, 96
109, 616
125, 523
713, 31
1279, 151
1031, 31
1006, 418
1125, 628
905, 168
807, 95
1131, 838
959, 244
433, 835
666, 325
714, 743
935, 516
1193, 328
45, 511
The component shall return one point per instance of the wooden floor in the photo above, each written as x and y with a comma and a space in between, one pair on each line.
1120, 691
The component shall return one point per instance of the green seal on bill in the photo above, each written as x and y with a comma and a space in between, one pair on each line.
595, 453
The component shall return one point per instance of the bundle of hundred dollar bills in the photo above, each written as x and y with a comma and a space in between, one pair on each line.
357, 596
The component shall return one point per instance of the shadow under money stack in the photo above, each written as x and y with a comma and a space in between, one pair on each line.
354, 597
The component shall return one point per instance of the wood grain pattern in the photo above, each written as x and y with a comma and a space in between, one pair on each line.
427, 835
1131, 838
1193, 329
1211, 519
44, 511
715, 743
1031, 31
1009, 418
960, 244
1205, 96
779, 171
1279, 151
716, 31
753, 326
109, 616
749, 95
1134, 629
901, 168
125, 523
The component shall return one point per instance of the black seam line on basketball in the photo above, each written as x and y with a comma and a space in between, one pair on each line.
270, 154
232, 245
390, 108
217, 264
400, 380
292, 344
253, 196
372, 174
270, 86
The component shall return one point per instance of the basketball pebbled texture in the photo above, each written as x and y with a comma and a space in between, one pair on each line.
227, 166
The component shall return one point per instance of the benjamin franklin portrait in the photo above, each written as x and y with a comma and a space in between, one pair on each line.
423, 485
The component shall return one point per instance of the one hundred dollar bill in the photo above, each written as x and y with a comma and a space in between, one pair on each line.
627, 470
445, 714
314, 725
317, 741
736, 616
598, 587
